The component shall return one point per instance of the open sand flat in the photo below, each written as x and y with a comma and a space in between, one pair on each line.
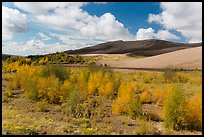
187, 58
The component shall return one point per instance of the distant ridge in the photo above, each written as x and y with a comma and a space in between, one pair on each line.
149, 47
5, 56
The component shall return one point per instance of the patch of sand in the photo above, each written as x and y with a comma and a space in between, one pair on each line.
186, 58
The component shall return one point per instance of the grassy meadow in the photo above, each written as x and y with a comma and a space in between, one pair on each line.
97, 100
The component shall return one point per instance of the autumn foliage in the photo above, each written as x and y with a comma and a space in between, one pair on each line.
81, 89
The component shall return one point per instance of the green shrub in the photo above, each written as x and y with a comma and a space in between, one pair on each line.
58, 108
79, 122
174, 109
139, 87
148, 78
127, 122
57, 70
30, 87
42, 106
135, 107
182, 78
7, 95
145, 128
154, 116
93, 67
74, 99
5, 98
89, 131
169, 74
14, 83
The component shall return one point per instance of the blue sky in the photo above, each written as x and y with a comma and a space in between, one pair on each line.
41, 28
133, 14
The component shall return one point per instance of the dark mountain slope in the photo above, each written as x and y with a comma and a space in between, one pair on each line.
143, 47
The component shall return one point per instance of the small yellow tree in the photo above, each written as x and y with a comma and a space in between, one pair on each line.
92, 86
125, 93
65, 90
42, 61
106, 86
194, 111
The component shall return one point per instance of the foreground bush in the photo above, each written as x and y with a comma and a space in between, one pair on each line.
56, 70
182, 78
28, 77
194, 111
169, 74
145, 128
10, 67
146, 96
135, 107
42, 106
49, 88
65, 90
106, 86
158, 96
174, 109
125, 93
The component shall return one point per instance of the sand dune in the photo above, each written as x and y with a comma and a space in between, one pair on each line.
145, 48
187, 58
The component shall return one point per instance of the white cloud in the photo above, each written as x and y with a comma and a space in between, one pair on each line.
100, 2
44, 7
184, 17
33, 47
76, 40
43, 36
13, 21
105, 27
143, 34
149, 33
194, 40
71, 16
165, 35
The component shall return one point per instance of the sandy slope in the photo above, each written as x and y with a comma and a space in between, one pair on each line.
186, 58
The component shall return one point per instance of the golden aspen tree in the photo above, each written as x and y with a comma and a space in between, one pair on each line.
125, 93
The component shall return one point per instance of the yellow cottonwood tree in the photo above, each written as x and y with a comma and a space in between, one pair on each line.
125, 93
106, 87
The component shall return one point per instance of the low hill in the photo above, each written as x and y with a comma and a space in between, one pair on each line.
146, 48
5, 56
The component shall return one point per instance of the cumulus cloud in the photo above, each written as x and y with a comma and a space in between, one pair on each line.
105, 27
71, 16
165, 35
13, 21
143, 34
149, 33
184, 17
43, 36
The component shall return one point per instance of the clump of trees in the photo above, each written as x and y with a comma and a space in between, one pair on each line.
182, 112
12, 63
60, 58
